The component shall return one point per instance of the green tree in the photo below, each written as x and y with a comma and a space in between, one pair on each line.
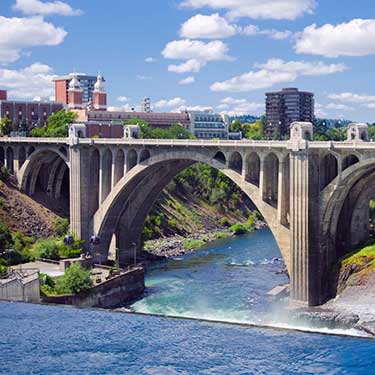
5, 236
143, 125
76, 279
5, 126
58, 125
61, 226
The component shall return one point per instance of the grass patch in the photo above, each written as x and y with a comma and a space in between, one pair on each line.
361, 257
191, 244
221, 235
240, 229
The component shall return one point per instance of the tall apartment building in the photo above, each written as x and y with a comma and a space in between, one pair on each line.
86, 82
285, 107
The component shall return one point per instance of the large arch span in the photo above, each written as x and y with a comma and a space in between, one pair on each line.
125, 209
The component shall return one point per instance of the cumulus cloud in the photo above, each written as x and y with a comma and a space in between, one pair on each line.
19, 33
352, 98
257, 9
207, 27
32, 7
354, 38
192, 108
187, 81
165, 103
28, 83
197, 54
190, 66
275, 71
239, 107
253, 30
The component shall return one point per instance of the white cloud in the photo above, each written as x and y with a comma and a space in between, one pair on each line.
238, 107
194, 49
175, 102
192, 108
354, 38
32, 7
253, 30
207, 27
19, 33
151, 59
257, 9
339, 107
143, 78
187, 81
190, 66
275, 71
28, 83
197, 54
320, 110
123, 99
352, 98
370, 105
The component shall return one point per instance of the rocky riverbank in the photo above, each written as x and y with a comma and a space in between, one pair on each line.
353, 308
178, 245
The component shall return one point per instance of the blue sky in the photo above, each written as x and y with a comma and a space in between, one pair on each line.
223, 54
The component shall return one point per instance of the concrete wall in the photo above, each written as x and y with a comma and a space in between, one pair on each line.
112, 293
21, 290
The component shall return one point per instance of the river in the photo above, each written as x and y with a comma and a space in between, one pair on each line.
226, 281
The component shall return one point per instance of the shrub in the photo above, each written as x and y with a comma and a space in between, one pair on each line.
224, 221
5, 236
240, 229
75, 280
74, 251
191, 244
221, 235
3, 270
61, 226
46, 249
4, 173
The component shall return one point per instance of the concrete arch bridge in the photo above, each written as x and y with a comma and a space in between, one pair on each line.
313, 195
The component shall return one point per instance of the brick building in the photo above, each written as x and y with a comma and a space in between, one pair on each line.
27, 113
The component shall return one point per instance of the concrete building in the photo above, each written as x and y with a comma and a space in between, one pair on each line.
28, 114
285, 107
87, 85
208, 125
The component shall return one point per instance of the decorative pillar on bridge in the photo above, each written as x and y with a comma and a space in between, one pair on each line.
304, 217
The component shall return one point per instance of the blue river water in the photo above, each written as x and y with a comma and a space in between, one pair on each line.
226, 281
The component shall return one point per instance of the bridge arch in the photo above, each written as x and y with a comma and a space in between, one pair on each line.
346, 196
43, 164
329, 169
133, 196
131, 159
236, 162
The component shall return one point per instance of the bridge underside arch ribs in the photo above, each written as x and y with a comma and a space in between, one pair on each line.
124, 211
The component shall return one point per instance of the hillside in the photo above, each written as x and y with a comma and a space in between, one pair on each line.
22, 214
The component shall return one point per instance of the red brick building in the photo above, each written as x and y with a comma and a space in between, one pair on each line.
27, 113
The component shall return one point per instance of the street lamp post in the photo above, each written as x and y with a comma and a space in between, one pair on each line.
135, 253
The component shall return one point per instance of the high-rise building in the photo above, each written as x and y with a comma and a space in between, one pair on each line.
87, 85
285, 107
146, 105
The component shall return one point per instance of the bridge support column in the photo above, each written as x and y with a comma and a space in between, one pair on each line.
80, 193
305, 242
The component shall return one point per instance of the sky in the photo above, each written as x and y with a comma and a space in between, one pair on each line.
219, 54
